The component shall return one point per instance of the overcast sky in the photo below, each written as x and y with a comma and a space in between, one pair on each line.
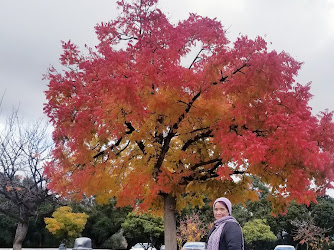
31, 33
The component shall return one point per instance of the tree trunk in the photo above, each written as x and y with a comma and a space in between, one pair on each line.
20, 235
170, 222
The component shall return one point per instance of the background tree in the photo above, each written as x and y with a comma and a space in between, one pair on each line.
257, 234
38, 236
133, 121
23, 149
310, 234
258, 209
191, 228
143, 228
103, 222
7, 227
322, 213
281, 225
66, 225
116, 241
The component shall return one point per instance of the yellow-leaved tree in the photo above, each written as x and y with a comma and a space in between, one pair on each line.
65, 224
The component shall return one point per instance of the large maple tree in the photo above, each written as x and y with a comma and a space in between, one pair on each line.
160, 113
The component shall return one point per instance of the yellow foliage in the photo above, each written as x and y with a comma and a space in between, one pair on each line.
66, 224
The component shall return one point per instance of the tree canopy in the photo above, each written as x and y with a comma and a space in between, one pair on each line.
104, 221
143, 228
256, 232
65, 224
132, 120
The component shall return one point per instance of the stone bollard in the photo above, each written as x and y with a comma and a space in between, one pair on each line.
82, 243
62, 246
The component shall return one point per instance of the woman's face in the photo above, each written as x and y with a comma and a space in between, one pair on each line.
220, 210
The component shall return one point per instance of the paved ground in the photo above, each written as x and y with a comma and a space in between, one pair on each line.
36, 249
44, 249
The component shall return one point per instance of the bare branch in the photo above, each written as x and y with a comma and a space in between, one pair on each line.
197, 56
130, 130
172, 132
196, 138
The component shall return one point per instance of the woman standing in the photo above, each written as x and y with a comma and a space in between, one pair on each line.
226, 233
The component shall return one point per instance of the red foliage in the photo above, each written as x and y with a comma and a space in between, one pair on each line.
132, 121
